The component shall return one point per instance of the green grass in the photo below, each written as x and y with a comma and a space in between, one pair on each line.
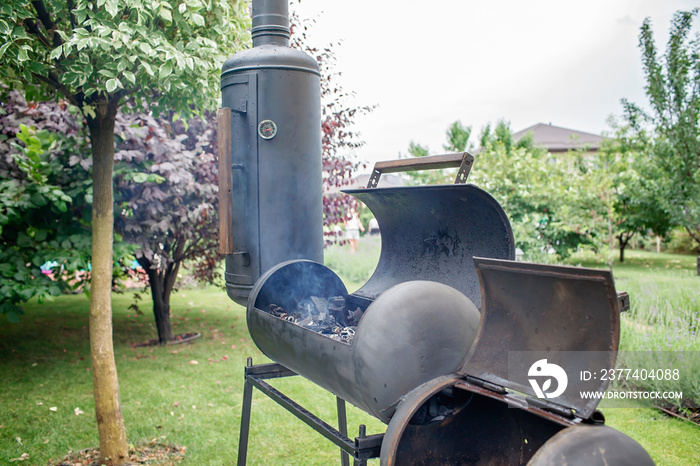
44, 363
45, 360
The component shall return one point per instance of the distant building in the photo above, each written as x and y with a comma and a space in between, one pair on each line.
557, 139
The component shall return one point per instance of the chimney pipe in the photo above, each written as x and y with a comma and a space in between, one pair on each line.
270, 23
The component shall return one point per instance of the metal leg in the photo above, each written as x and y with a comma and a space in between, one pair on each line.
245, 418
362, 434
362, 448
343, 428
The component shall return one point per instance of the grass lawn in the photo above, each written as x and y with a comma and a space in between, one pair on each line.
191, 394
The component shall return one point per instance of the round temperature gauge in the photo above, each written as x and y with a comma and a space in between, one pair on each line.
267, 129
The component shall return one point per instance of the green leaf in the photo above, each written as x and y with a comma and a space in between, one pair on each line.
165, 14
40, 235
165, 70
146, 48
112, 85
148, 68
23, 240
111, 7
22, 55
4, 48
55, 53
198, 19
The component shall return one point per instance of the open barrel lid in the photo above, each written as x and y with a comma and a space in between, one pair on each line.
550, 332
432, 233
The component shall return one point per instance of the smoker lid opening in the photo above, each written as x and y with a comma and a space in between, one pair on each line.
432, 233
542, 322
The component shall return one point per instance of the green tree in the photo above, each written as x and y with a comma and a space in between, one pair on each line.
458, 137
547, 200
96, 55
671, 172
630, 208
45, 196
457, 141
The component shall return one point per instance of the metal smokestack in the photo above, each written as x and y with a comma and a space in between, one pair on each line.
271, 187
270, 23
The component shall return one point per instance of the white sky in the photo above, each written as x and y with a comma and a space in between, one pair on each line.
426, 64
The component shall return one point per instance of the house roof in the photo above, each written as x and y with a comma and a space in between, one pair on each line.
558, 139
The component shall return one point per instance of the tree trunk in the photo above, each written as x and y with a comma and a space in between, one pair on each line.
161, 283
161, 310
110, 422
623, 244
624, 241
622, 252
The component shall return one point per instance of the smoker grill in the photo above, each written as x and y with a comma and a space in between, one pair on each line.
430, 344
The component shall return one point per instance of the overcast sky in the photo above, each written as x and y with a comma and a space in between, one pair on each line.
426, 64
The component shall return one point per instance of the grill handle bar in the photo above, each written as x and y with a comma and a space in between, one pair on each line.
463, 160
225, 182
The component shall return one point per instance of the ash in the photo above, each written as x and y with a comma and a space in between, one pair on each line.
332, 317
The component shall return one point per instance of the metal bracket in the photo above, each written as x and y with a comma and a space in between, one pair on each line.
623, 301
362, 448
463, 160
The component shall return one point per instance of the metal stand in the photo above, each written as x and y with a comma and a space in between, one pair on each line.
363, 448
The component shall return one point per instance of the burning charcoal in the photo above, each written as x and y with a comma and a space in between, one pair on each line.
355, 316
338, 309
336, 303
306, 322
328, 324
276, 310
321, 305
289, 318
347, 334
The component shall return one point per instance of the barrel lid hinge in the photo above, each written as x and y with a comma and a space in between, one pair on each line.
551, 407
486, 384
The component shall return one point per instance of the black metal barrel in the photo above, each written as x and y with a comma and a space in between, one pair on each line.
273, 94
419, 311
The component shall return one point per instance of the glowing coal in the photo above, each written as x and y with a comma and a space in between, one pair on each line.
331, 317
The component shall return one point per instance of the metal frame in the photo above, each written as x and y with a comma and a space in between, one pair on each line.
362, 448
